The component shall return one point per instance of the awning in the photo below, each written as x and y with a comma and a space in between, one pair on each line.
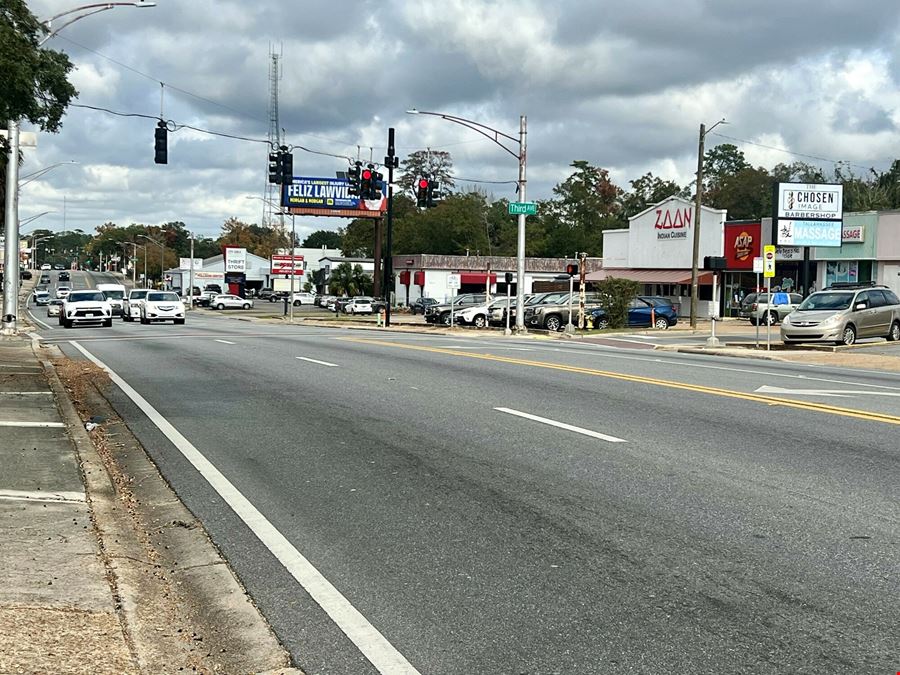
476, 278
650, 276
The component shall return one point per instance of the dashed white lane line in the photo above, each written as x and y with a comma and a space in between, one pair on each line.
225, 342
561, 425
370, 642
321, 363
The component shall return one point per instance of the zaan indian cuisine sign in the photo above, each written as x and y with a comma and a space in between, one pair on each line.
673, 223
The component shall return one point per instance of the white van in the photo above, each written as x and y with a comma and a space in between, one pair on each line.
115, 293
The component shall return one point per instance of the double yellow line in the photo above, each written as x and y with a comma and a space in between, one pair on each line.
714, 391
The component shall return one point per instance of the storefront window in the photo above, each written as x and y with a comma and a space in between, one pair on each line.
847, 271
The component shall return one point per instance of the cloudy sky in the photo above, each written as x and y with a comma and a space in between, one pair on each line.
622, 84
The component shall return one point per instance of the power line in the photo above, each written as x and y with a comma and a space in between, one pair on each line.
791, 152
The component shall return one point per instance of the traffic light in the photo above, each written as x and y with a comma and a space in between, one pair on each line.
434, 193
275, 167
161, 137
572, 269
354, 178
508, 277
365, 184
422, 192
377, 182
286, 168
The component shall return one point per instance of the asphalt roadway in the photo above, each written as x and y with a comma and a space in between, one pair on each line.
414, 503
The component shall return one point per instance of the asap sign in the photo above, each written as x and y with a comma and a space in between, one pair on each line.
673, 223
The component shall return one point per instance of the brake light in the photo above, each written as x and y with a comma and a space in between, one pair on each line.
753, 307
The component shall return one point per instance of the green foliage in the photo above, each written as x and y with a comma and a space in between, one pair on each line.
648, 190
260, 240
616, 295
347, 279
35, 83
436, 163
320, 238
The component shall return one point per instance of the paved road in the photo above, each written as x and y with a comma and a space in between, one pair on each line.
511, 506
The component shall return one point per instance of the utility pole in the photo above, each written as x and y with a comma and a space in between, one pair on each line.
11, 249
581, 296
191, 276
695, 259
377, 270
520, 258
293, 264
391, 162
134, 266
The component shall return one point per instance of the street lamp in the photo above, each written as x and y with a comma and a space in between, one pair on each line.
162, 257
695, 260
34, 242
293, 241
40, 172
134, 270
501, 139
11, 248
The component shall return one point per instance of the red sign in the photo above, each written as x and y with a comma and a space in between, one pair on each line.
281, 264
742, 244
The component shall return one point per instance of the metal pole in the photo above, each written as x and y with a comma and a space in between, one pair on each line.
11, 250
582, 273
757, 321
162, 265
768, 325
293, 240
134, 267
695, 260
391, 161
508, 298
569, 327
191, 277
145, 265
520, 261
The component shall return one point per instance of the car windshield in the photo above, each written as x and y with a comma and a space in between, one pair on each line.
114, 295
162, 297
56, 302
824, 301
137, 295
86, 296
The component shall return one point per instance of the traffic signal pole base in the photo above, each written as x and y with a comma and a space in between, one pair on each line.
570, 329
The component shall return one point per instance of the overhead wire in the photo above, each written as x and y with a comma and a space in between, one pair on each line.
791, 152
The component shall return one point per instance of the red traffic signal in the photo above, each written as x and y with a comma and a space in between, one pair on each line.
423, 184
367, 175
572, 269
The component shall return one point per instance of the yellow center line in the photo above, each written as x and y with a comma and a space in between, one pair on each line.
715, 391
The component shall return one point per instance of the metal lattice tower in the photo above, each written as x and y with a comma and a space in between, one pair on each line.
272, 194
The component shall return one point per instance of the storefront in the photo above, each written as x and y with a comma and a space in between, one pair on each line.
854, 260
887, 250
742, 244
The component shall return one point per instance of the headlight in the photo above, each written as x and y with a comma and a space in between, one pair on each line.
831, 320
787, 320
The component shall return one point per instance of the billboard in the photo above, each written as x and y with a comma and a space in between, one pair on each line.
185, 263
328, 197
810, 201
281, 264
809, 233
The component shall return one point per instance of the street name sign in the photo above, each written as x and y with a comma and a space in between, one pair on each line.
522, 208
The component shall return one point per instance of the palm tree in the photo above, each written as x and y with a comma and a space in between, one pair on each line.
347, 279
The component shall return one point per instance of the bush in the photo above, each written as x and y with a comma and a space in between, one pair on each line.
615, 297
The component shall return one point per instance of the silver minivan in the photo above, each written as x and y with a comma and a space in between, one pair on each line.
843, 315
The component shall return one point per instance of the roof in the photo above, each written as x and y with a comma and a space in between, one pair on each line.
650, 276
481, 263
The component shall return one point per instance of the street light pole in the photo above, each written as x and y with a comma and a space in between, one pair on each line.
522, 157
695, 258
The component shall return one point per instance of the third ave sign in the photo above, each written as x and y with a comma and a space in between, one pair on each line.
522, 208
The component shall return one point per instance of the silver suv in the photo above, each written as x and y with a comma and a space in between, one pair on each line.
759, 309
842, 315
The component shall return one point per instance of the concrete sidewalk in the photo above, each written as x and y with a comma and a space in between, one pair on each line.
57, 608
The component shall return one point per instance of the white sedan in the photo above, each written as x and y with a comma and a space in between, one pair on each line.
361, 305
162, 306
230, 302
62, 292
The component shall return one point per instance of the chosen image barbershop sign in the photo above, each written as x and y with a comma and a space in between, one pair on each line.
673, 223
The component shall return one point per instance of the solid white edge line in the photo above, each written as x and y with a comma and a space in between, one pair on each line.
321, 363
225, 342
561, 425
373, 645
37, 320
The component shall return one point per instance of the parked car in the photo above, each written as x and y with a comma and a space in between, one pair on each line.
554, 315
162, 306
844, 315
271, 295
440, 313
341, 305
54, 307
419, 305
62, 292
759, 308
25, 275
478, 315
57, 266
303, 299
322, 300
41, 298
62, 276
359, 305
85, 307
331, 303
45, 266
498, 314
131, 305
230, 302
213, 288
644, 311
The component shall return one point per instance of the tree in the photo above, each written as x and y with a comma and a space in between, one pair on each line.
257, 239
719, 163
436, 163
648, 190
320, 238
347, 279
615, 297
745, 195
358, 238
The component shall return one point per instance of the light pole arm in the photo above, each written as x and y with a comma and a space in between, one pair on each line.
89, 10
488, 132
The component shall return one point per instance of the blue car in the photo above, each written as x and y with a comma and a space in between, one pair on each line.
644, 312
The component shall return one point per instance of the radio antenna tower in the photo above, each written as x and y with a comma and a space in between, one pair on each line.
272, 194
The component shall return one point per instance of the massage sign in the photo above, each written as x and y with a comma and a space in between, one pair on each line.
809, 214
673, 223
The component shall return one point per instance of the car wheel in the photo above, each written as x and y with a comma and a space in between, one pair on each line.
297, 303
144, 321
848, 337
662, 323
220, 306
894, 334
271, 299
601, 323
753, 321
480, 321
770, 318
108, 323
553, 322
445, 318
246, 305
67, 324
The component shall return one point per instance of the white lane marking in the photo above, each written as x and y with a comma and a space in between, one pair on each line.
321, 363
37, 320
841, 393
373, 645
561, 425
16, 423
172, 336
225, 342
50, 496
34, 336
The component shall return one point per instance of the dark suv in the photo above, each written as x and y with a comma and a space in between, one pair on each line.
419, 305
440, 313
